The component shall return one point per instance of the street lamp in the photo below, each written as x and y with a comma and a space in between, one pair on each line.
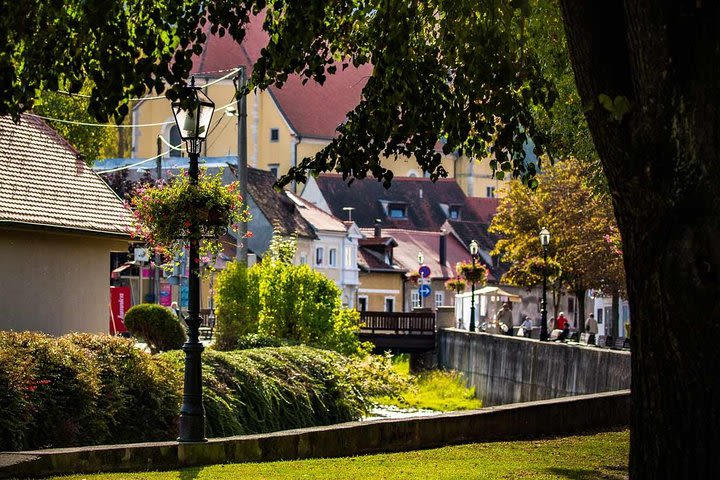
192, 116
421, 260
544, 241
473, 255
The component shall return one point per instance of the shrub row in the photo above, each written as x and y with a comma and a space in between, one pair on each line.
86, 389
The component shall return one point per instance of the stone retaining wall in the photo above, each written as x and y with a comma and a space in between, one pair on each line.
507, 369
533, 419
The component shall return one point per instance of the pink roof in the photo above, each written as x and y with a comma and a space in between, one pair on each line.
312, 110
483, 208
319, 219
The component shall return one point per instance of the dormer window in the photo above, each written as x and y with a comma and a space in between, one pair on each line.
454, 213
397, 211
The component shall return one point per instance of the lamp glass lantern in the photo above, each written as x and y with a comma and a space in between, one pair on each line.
473, 248
421, 258
544, 237
192, 117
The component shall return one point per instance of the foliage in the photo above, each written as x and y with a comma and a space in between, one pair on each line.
255, 340
92, 142
169, 214
433, 390
456, 284
81, 390
476, 273
292, 302
84, 389
578, 217
155, 325
269, 389
281, 249
237, 304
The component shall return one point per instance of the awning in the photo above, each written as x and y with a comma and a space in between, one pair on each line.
116, 273
495, 291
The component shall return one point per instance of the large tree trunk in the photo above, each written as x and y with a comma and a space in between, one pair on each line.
615, 317
661, 160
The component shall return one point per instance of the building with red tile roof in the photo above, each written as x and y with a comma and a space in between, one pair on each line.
59, 223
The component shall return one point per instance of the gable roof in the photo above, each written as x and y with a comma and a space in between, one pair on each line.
483, 209
318, 219
312, 110
45, 182
276, 206
423, 199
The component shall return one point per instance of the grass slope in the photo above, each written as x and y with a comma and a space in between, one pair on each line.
591, 457
433, 390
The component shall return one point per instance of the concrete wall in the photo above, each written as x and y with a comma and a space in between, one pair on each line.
513, 369
527, 420
55, 283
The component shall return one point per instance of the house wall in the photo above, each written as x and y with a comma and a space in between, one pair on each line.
55, 283
376, 286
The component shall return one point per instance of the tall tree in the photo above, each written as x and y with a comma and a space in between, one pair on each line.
648, 75
580, 220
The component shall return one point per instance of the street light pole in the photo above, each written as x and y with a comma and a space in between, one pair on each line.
544, 241
240, 82
473, 255
193, 116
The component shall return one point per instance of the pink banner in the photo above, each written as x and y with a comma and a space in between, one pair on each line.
165, 294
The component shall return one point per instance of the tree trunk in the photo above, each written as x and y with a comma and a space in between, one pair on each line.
615, 314
580, 296
660, 159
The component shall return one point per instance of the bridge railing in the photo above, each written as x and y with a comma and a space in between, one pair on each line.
418, 323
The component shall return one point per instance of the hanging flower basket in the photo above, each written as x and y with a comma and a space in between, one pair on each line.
413, 277
164, 215
456, 284
470, 273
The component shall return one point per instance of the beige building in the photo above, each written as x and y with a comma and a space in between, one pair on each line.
59, 222
284, 125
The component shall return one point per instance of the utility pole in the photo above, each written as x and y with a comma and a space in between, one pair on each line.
240, 81
158, 258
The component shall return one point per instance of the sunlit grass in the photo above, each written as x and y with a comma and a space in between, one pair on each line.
433, 390
591, 457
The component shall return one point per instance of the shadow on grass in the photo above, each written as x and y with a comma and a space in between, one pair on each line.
603, 473
190, 473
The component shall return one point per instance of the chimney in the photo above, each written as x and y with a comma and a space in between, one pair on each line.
421, 193
443, 247
378, 229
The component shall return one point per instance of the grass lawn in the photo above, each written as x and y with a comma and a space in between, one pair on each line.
591, 457
433, 390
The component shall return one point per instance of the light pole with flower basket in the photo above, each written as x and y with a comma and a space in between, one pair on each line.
473, 273
192, 116
544, 241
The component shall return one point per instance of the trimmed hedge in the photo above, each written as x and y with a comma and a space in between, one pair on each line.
155, 325
84, 389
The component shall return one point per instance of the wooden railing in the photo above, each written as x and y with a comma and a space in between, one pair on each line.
405, 322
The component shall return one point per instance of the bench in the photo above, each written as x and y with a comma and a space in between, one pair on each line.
587, 338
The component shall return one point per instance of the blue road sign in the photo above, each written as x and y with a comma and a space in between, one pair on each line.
424, 271
425, 290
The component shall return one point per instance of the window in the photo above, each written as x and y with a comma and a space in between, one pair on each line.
319, 256
389, 304
349, 257
332, 257
362, 304
397, 211
599, 316
274, 134
490, 192
454, 213
415, 299
274, 167
303, 259
439, 299
175, 140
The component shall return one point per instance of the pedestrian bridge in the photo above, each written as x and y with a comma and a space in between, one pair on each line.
398, 332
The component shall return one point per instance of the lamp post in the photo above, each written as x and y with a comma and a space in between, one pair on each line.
192, 116
421, 260
473, 255
544, 241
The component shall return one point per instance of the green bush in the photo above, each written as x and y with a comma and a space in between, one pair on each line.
85, 389
155, 325
292, 302
255, 340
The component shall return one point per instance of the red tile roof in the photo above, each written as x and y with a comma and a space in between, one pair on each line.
319, 219
482, 208
44, 182
423, 198
312, 110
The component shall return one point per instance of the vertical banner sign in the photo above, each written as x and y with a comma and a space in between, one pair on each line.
119, 304
165, 294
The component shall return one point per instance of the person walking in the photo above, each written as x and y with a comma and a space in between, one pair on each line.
591, 325
504, 317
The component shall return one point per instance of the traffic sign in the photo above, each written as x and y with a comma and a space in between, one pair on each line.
424, 271
425, 290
